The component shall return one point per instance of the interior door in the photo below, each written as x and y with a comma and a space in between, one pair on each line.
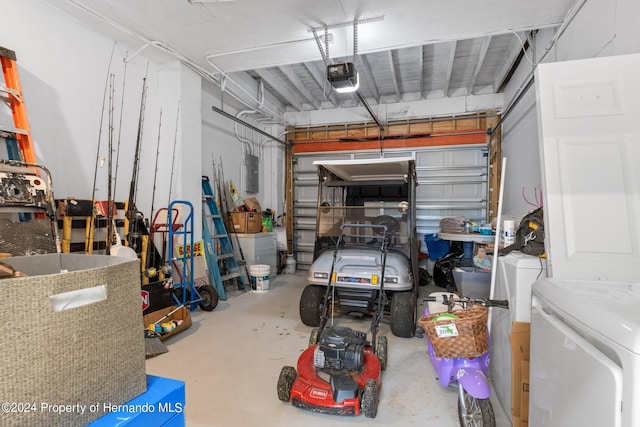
588, 113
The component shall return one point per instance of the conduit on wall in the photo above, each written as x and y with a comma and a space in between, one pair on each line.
250, 126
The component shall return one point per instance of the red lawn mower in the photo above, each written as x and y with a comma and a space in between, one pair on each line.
339, 373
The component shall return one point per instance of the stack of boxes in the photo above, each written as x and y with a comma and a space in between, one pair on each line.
248, 220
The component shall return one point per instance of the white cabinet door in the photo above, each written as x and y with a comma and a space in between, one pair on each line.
588, 112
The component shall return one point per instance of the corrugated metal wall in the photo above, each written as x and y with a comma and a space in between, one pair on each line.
453, 180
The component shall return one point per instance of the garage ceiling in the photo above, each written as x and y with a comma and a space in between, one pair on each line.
405, 50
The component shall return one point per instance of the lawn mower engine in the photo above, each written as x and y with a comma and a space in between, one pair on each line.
339, 348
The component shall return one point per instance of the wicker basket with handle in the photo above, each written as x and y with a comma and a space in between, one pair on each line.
465, 336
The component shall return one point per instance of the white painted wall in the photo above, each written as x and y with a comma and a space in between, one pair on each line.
64, 68
600, 28
225, 144
65, 73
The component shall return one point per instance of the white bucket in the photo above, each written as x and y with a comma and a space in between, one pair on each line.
509, 233
259, 277
290, 265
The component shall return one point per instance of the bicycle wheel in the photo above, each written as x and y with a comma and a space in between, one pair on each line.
474, 412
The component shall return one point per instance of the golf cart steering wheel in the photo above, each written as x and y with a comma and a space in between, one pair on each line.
393, 225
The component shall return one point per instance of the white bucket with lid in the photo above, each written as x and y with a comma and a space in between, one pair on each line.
259, 277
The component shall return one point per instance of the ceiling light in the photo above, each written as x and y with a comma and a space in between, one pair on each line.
343, 77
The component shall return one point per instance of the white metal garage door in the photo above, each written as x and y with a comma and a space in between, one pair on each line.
452, 181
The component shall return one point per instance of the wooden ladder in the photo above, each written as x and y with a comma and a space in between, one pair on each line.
221, 260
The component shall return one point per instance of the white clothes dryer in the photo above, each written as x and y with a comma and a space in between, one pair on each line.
585, 354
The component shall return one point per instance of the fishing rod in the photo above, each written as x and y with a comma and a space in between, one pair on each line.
166, 264
124, 80
173, 161
151, 265
223, 201
132, 213
109, 238
95, 171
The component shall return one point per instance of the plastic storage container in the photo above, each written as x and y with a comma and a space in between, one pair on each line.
436, 247
471, 282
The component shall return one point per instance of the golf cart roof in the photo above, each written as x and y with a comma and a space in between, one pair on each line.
378, 169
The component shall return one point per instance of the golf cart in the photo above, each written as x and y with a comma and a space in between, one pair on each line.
371, 193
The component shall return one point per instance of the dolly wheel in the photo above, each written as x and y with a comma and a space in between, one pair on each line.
288, 375
381, 351
313, 338
369, 401
209, 297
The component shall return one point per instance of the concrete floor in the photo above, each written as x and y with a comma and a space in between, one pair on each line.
231, 358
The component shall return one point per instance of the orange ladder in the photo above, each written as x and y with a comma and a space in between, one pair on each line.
13, 93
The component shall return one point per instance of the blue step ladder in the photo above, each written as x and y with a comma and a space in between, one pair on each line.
222, 264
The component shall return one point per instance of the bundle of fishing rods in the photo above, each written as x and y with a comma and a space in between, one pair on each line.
137, 230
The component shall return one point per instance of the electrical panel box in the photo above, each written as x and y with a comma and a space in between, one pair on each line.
253, 176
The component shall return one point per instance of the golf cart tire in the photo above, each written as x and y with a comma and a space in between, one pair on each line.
403, 314
311, 305
381, 351
369, 401
288, 375
209, 297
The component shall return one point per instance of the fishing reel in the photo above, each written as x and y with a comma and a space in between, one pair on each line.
166, 270
152, 272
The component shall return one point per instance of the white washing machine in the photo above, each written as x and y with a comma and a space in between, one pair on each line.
516, 273
585, 354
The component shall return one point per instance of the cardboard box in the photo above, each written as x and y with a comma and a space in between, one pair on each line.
245, 222
182, 314
71, 336
524, 394
253, 204
520, 338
